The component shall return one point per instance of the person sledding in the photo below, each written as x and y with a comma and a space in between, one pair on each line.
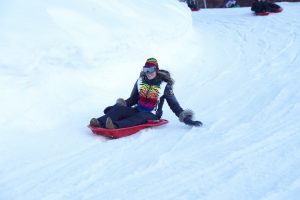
149, 93
264, 7
193, 5
232, 4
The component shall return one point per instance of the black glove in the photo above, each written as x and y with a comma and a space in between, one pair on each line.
190, 122
121, 102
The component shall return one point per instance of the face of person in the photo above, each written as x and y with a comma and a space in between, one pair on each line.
150, 72
152, 75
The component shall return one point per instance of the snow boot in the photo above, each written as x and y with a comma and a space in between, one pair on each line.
110, 124
94, 122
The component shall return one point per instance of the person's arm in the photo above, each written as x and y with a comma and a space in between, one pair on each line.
132, 100
134, 96
172, 101
185, 116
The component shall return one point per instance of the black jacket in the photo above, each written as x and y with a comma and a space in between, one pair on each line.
168, 95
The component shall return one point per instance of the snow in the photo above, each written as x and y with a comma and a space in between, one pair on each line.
62, 63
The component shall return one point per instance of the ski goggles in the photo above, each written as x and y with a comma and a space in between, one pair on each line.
149, 69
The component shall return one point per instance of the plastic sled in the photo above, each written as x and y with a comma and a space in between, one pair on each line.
122, 132
277, 10
262, 14
195, 9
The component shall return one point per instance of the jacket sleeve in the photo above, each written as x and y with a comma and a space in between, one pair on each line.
134, 96
172, 101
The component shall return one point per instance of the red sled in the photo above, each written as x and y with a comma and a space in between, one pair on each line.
277, 10
122, 132
195, 9
262, 14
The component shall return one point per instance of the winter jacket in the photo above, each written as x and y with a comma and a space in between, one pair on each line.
149, 95
260, 6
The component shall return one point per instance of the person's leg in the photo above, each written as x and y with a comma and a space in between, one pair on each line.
259, 6
117, 113
272, 7
136, 119
265, 6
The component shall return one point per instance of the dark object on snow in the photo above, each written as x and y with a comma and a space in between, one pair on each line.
186, 117
263, 7
232, 4
193, 5
191, 122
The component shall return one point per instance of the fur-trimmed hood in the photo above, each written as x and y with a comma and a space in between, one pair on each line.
164, 75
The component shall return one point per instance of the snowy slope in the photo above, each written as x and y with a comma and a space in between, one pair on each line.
62, 63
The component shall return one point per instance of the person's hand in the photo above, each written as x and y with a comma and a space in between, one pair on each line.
190, 122
121, 102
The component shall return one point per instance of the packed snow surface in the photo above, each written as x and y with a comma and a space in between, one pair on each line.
62, 62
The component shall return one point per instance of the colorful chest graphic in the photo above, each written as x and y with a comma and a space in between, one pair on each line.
149, 95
